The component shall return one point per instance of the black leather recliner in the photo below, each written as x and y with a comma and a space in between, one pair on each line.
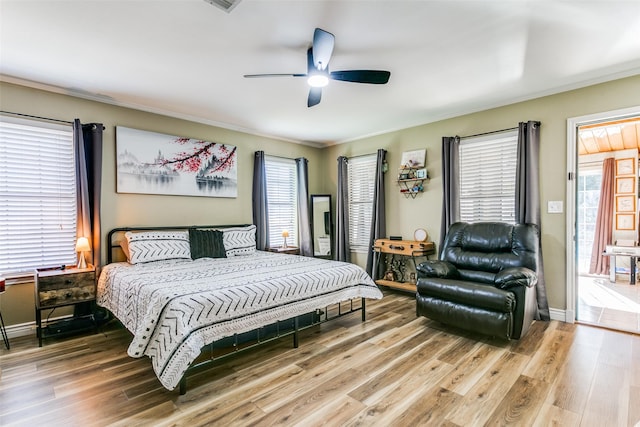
484, 280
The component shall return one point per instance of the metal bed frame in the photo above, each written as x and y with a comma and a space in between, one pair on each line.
291, 326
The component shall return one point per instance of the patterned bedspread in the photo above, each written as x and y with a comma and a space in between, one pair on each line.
174, 308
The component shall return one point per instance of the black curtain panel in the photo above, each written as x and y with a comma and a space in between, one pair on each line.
87, 141
304, 224
378, 220
450, 185
528, 198
342, 251
259, 197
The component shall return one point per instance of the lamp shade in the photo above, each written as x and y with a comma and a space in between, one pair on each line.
82, 245
285, 233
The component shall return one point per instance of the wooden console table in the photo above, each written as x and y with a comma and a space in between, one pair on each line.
409, 249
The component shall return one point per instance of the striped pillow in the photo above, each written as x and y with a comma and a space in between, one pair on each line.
239, 240
147, 246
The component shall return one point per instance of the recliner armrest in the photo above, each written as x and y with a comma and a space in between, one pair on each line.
436, 268
515, 276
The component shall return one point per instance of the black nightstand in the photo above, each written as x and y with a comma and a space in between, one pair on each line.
58, 288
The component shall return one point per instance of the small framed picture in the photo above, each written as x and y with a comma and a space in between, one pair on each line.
626, 185
421, 173
626, 203
625, 167
626, 221
413, 159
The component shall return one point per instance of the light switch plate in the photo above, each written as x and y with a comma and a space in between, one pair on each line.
554, 206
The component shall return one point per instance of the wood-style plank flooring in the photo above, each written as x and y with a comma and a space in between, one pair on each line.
393, 370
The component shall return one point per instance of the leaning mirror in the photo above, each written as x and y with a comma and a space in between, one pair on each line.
321, 225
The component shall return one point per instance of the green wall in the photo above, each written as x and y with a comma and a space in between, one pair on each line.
137, 209
404, 215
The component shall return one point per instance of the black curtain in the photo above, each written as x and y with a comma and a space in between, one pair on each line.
527, 207
87, 141
87, 144
304, 224
342, 251
378, 220
450, 185
259, 198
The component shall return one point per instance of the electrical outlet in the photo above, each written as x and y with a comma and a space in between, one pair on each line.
554, 206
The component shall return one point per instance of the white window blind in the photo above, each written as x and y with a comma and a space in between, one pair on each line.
282, 200
488, 177
362, 174
37, 195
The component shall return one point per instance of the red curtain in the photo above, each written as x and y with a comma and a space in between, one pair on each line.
604, 221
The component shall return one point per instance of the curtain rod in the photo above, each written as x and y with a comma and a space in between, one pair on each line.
360, 155
37, 117
488, 133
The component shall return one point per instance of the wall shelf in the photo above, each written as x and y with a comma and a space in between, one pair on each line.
411, 181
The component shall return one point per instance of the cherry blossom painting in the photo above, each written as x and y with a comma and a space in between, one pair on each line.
155, 163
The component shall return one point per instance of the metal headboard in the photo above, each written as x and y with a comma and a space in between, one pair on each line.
115, 244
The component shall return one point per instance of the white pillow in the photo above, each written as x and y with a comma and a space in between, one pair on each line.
147, 246
239, 240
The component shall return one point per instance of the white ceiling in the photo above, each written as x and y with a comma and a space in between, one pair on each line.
187, 58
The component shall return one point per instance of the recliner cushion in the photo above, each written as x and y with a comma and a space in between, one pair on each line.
468, 293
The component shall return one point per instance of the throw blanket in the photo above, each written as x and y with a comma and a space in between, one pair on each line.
174, 308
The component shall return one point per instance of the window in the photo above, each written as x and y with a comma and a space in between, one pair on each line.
589, 181
37, 195
362, 178
282, 190
488, 177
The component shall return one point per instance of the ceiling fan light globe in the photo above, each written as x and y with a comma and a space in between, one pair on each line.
318, 80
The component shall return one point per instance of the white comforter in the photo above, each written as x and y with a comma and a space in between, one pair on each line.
175, 307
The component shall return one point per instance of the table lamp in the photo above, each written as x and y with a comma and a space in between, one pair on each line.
82, 246
285, 234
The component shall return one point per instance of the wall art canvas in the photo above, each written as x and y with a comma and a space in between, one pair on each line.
413, 159
155, 163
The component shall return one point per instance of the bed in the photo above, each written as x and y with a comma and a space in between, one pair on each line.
178, 307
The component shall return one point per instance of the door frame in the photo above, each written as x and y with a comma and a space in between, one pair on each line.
572, 173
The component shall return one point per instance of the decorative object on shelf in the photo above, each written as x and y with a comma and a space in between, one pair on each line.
82, 246
420, 235
155, 163
413, 159
411, 181
285, 234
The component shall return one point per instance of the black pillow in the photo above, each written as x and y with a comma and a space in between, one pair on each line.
206, 243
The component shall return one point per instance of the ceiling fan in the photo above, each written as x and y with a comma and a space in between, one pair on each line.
318, 74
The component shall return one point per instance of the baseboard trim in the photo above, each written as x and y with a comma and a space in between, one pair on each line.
28, 328
559, 314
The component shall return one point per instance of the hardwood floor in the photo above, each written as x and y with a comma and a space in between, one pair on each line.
394, 369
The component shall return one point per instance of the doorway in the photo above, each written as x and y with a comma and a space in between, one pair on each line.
605, 300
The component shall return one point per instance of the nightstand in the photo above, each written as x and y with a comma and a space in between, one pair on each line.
59, 288
291, 250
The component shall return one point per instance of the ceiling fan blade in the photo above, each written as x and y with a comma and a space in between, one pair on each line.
323, 42
376, 77
315, 93
251, 76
